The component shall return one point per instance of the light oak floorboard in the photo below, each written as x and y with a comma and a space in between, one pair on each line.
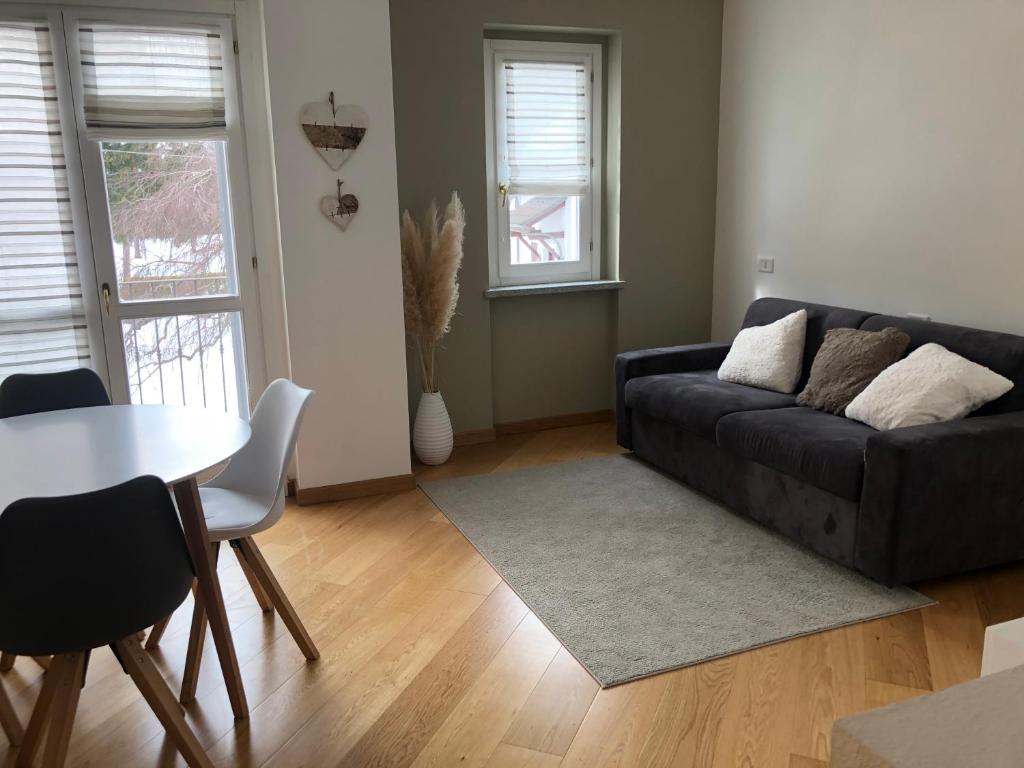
555, 709
473, 730
507, 756
340, 723
895, 651
953, 633
878, 694
762, 695
402, 731
802, 761
429, 659
829, 684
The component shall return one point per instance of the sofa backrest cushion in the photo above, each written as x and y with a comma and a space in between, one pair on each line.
820, 319
1001, 352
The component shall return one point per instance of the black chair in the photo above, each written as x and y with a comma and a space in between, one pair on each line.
24, 393
80, 572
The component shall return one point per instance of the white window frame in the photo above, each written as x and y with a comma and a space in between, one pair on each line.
92, 227
502, 271
243, 291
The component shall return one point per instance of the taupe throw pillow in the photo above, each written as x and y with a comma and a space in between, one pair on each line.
847, 362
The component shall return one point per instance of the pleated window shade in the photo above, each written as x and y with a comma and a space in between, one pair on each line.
42, 315
546, 124
143, 81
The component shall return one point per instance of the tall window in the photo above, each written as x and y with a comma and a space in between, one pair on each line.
543, 145
42, 312
148, 103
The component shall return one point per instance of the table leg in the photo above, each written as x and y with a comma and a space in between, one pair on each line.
190, 507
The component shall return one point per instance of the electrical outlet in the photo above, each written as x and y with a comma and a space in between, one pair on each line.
765, 264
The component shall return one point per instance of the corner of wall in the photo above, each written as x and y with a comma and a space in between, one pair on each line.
345, 319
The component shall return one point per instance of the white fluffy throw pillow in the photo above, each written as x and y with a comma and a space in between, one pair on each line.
768, 356
930, 385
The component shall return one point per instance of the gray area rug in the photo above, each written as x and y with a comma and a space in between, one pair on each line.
636, 574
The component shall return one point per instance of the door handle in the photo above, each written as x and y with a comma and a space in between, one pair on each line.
106, 297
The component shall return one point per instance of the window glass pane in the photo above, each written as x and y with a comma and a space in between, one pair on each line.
168, 205
192, 360
544, 228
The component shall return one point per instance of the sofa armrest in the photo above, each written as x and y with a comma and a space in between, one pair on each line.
942, 498
649, 362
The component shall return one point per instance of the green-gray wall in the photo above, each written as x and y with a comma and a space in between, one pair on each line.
528, 357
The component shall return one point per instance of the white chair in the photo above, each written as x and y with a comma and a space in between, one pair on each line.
244, 499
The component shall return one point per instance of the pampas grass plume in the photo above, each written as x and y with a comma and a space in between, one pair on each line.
431, 257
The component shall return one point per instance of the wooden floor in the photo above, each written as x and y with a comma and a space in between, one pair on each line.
429, 659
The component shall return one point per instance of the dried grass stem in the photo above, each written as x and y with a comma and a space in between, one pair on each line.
431, 257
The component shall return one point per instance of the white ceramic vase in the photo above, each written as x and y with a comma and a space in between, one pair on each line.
432, 431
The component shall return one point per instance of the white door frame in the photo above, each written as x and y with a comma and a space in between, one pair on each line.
239, 225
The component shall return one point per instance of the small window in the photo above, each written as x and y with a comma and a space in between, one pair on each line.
543, 161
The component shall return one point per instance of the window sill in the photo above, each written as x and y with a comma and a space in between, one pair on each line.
538, 289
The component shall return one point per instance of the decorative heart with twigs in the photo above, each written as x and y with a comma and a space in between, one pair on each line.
334, 130
339, 209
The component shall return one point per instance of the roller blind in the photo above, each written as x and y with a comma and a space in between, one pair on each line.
139, 81
42, 315
546, 123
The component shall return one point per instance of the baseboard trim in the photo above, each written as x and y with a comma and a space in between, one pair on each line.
355, 490
552, 422
399, 483
475, 436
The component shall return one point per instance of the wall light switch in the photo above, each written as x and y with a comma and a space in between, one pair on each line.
765, 264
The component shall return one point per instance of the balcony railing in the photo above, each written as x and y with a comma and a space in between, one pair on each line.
164, 288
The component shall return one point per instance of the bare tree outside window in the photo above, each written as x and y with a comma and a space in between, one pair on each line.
167, 211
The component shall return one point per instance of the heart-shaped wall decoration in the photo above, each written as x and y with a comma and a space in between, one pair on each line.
339, 210
334, 130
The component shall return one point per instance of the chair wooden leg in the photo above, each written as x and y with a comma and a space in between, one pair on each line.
269, 582
194, 654
196, 641
157, 633
42, 661
70, 668
9, 719
7, 662
160, 699
257, 589
197, 536
38, 721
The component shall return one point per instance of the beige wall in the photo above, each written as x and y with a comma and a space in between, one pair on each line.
520, 358
343, 289
532, 380
875, 149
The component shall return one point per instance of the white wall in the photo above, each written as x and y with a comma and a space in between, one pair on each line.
343, 289
875, 149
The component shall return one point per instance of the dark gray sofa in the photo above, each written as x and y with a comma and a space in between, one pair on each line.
900, 506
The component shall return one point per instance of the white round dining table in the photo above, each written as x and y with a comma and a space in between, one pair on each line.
61, 453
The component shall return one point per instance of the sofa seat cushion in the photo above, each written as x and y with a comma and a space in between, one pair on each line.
821, 449
696, 401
